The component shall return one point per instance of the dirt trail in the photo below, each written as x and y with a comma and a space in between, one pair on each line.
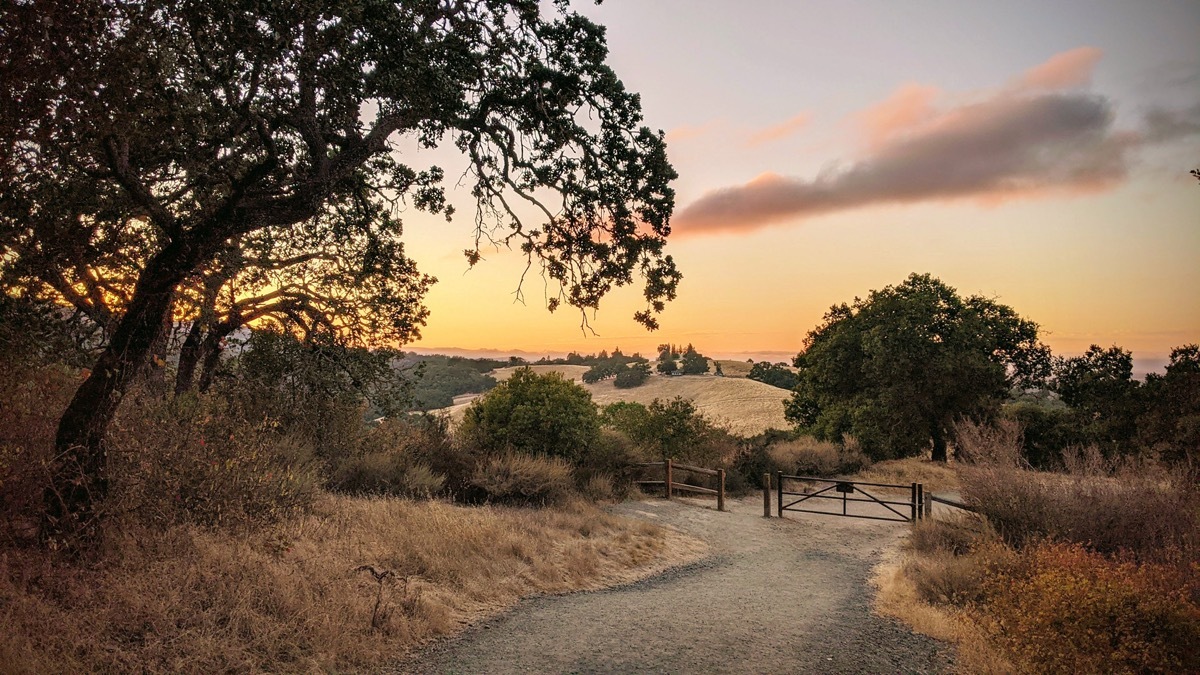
773, 596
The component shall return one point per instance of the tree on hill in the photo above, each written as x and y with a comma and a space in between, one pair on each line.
897, 369
693, 362
668, 367
631, 376
1170, 422
193, 130
1102, 394
774, 374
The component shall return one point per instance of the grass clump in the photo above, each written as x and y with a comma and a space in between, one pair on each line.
806, 456
514, 478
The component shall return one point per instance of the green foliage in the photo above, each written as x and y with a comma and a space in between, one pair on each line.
1048, 429
668, 367
545, 415
693, 363
1169, 425
614, 360
438, 379
38, 333
774, 374
317, 389
1100, 389
632, 376
671, 429
896, 369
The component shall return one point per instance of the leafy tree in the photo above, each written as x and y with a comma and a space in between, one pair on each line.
693, 363
165, 138
896, 369
774, 374
671, 428
1099, 387
668, 367
601, 371
535, 414
1170, 422
631, 376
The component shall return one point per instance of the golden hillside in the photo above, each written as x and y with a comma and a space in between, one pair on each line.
744, 407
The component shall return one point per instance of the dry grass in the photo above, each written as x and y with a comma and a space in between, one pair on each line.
936, 476
289, 598
732, 368
898, 596
741, 406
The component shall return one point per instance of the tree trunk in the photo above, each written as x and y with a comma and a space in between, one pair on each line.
939, 442
211, 350
79, 478
189, 356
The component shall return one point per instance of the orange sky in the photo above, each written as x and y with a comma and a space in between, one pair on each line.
1044, 168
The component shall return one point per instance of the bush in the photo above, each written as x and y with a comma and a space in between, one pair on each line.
610, 459
806, 456
1063, 609
386, 473
1140, 512
190, 460
515, 478
534, 414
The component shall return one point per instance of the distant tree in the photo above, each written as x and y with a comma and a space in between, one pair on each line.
1102, 394
896, 369
719, 372
693, 362
774, 374
672, 428
633, 375
667, 367
535, 414
602, 371
1170, 423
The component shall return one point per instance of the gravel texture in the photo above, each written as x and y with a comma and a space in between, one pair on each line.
773, 596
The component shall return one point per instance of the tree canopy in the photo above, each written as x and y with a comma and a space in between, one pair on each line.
896, 369
536, 414
178, 159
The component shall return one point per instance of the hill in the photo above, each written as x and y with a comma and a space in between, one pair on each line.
744, 407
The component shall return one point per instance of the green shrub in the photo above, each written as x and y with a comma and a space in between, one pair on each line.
611, 458
534, 414
1063, 609
634, 375
515, 478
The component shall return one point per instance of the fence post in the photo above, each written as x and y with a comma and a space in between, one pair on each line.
914, 502
720, 489
766, 495
928, 506
920, 500
779, 489
668, 478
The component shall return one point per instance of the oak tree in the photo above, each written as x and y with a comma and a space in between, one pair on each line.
158, 138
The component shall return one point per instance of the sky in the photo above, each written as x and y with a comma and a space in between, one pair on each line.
1035, 153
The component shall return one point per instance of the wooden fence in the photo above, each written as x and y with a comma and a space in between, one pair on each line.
669, 467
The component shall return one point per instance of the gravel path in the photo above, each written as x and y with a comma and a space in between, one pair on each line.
773, 596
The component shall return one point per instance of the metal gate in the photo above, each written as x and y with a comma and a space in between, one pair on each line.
865, 505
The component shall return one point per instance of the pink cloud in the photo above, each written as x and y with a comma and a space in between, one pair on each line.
907, 107
1068, 69
689, 131
779, 131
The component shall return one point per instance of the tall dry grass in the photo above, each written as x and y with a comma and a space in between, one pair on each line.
288, 597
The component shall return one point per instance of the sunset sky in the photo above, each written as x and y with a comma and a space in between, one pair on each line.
1037, 153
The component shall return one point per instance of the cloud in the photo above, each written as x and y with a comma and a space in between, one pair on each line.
779, 131
687, 131
1042, 136
907, 107
1069, 69
1163, 126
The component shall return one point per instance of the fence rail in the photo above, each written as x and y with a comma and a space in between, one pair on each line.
669, 467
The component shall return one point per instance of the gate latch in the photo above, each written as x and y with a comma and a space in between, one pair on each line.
845, 487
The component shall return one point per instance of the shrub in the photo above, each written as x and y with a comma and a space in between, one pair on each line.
529, 413
956, 536
1139, 512
386, 473
515, 478
946, 579
190, 460
1063, 609
807, 456
610, 459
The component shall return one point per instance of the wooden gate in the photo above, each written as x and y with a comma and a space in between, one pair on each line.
845, 498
